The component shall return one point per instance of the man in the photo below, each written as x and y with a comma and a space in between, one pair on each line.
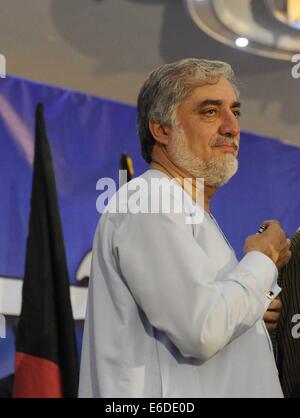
288, 336
171, 312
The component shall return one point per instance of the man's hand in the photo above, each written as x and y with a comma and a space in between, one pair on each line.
272, 315
285, 249
285, 255
272, 242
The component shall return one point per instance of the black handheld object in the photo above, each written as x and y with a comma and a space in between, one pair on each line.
262, 228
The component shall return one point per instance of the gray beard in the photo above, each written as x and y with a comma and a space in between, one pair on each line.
216, 172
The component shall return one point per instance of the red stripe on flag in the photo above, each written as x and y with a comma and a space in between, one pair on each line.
36, 377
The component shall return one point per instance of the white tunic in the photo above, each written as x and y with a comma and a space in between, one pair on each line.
171, 312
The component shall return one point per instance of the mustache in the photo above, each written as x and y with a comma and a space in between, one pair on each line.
225, 141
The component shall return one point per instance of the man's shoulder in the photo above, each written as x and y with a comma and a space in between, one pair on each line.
149, 197
142, 193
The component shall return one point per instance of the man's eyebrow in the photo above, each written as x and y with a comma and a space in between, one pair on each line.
213, 102
236, 104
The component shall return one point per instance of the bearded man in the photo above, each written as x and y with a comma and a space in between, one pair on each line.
171, 312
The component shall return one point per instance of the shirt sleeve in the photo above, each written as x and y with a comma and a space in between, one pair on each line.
175, 283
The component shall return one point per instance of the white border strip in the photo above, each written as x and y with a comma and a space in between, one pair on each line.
11, 298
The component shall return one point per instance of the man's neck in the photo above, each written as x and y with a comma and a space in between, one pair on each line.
209, 192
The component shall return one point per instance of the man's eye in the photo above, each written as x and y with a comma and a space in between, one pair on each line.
237, 113
210, 112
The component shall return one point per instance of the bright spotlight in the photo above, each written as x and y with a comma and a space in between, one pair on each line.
242, 42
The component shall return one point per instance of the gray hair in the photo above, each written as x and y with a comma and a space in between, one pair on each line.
167, 87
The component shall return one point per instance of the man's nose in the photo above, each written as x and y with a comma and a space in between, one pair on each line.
230, 125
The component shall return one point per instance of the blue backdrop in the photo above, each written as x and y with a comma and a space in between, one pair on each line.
87, 136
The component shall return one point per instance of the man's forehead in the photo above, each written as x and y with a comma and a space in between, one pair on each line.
222, 91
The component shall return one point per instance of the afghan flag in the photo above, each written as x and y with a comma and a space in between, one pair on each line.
126, 164
46, 353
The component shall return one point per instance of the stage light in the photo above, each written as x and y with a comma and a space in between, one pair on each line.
242, 42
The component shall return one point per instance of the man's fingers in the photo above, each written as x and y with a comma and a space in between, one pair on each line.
288, 255
271, 222
283, 259
272, 316
275, 305
271, 327
285, 256
285, 244
273, 227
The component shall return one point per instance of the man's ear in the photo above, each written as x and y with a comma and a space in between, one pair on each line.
159, 132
